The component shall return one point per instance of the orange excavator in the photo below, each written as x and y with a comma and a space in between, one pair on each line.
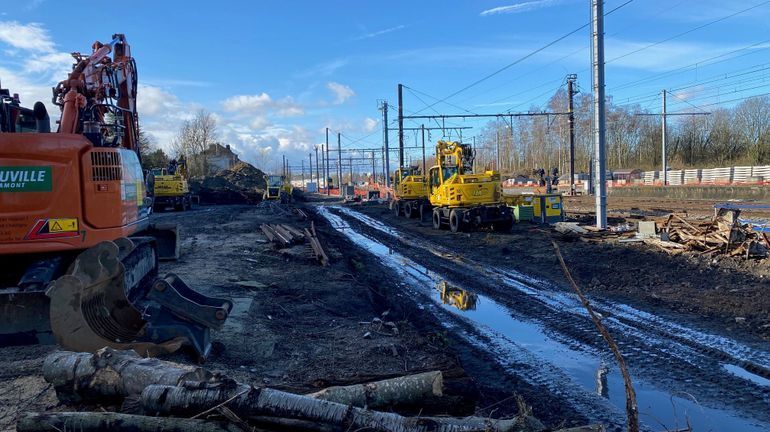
78, 255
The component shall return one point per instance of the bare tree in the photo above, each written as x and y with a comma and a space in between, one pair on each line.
193, 139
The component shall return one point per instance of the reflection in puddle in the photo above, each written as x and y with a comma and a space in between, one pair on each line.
557, 362
457, 297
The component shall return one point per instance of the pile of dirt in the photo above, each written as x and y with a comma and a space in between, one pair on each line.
241, 184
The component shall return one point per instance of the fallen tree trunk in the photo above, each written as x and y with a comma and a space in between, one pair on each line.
248, 402
111, 374
115, 422
406, 390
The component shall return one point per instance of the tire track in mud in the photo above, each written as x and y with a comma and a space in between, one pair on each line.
671, 362
417, 281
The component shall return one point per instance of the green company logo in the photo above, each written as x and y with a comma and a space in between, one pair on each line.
25, 179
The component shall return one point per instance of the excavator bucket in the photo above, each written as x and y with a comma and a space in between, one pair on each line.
166, 237
111, 297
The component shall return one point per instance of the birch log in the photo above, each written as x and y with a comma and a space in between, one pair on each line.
406, 390
111, 374
248, 402
115, 422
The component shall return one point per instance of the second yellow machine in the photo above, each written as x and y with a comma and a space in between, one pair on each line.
462, 199
410, 193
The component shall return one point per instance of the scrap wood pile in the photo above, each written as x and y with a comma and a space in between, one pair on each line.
156, 395
241, 184
724, 234
283, 235
591, 234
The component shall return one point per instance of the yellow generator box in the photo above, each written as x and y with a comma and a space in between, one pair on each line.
548, 207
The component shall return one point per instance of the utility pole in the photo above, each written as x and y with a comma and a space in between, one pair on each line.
497, 152
283, 165
339, 162
663, 140
374, 174
422, 129
310, 155
317, 176
386, 151
326, 179
302, 173
351, 170
400, 125
571, 119
599, 114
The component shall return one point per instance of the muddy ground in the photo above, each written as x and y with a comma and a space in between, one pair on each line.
295, 326
299, 327
728, 294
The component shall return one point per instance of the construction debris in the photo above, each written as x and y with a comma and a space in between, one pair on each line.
724, 234
315, 246
170, 389
241, 184
282, 235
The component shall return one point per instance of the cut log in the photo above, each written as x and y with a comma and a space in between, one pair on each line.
115, 422
111, 374
406, 390
248, 402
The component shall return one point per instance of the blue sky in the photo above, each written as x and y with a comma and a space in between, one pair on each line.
276, 73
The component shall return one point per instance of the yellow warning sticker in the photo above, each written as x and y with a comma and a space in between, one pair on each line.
62, 225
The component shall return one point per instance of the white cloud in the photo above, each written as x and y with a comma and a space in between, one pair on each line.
521, 7
370, 124
263, 104
259, 122
341, 92
31, 37
380, 32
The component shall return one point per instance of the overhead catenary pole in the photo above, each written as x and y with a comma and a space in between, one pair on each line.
302, 173
422, 129
386, 151
374, 173
599, 113
339, 162
571, 119
400, 126
663, 141
317, 176
326, 179
497, 151
351, 171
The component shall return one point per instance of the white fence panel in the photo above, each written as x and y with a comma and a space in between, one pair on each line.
761, 171
692, 176
675, 177
741, 173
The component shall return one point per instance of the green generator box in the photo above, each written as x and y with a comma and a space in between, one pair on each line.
524, 213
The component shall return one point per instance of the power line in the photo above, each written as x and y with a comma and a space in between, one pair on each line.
523, 58
686, 32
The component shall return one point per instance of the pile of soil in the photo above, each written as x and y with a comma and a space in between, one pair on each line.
241, 184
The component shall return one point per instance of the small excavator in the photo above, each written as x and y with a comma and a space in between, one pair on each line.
410, 193
78, 254
170, 187
278, 188
462, 199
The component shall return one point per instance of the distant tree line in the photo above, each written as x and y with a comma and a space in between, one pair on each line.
727, 137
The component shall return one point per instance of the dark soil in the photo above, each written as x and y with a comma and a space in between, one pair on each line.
730, 295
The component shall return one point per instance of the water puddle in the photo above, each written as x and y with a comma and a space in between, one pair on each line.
568, 368
743, 373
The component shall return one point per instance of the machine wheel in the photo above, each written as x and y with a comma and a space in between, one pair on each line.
436, 219
408, 210
396, 208
456, 220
